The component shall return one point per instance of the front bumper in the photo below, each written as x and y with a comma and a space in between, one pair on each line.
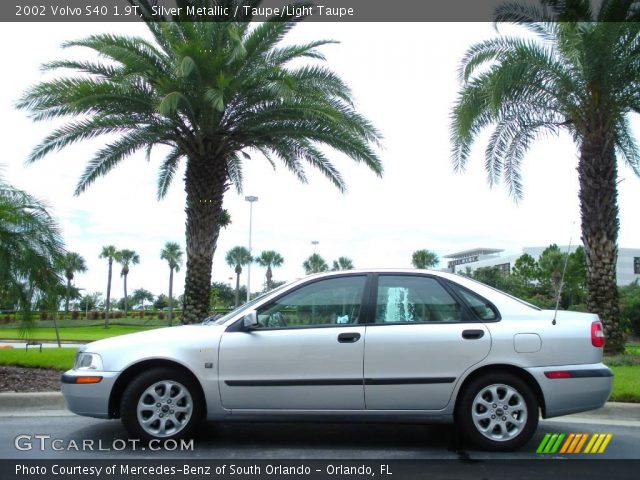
90, 399
587, 389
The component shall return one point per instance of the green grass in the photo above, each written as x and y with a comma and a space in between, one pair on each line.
81, 334
626, 384
57, 358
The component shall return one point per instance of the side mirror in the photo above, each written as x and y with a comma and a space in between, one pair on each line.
250, 320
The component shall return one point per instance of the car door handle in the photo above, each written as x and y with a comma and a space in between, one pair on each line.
472, 334
348, 337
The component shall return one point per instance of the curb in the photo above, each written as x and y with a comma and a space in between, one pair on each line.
32, 401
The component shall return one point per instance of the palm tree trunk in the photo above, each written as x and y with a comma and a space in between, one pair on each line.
170, 296
205, 184
237, 288
106, 316
269, 277
66, 301
126, 300
597, 172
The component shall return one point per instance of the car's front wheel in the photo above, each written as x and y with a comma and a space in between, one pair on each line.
498, 412
161, 403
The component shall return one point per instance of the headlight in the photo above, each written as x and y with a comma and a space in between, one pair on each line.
88, 361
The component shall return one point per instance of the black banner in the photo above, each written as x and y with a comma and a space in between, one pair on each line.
312, 11
319, 469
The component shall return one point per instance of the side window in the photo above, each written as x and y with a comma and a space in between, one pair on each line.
406, 298
481, 307
334, 301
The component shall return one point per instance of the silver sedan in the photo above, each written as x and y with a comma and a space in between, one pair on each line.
383, 345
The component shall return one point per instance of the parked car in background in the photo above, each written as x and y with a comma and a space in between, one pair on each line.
395, 345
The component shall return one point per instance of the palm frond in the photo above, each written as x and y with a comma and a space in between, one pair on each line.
167, 171
112, 154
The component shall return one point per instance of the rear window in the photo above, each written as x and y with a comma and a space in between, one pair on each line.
483, 309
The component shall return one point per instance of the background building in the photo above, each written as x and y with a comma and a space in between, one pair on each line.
627, 268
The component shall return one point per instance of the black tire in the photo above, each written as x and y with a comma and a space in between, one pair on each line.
181, 413
511, 430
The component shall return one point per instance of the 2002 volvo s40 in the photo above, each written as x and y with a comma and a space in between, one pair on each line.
379, 345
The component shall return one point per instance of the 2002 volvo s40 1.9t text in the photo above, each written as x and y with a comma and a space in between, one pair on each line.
405, 345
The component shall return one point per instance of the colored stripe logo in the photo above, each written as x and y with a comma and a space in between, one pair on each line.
574, 443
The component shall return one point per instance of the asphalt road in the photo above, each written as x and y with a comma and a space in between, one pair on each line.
287, 440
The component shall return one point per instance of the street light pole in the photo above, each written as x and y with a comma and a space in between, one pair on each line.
250, 199
315, 245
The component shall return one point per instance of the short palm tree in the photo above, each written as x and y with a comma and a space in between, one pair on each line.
580, 75
214, 93
424, 259
72, 263
173, 255
109, 252
238, 257
140, 295
126, 258
315, 264
269, 259
31, 248
342, 263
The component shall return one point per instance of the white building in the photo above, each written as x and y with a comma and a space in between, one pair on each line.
627, 267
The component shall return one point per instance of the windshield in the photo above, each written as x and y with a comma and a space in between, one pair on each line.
215, 320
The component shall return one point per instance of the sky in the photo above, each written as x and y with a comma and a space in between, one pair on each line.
404, 79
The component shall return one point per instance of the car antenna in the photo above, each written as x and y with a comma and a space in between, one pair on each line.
564, 270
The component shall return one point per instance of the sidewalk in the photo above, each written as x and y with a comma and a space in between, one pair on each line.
613, 413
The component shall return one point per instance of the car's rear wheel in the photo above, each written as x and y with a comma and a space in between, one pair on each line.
498, 412
161, 403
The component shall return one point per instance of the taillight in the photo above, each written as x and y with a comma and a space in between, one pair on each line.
597, 335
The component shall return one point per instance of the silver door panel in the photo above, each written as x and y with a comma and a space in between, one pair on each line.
416, 366
303, 368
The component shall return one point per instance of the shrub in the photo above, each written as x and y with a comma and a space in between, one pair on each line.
160, 315
630, 311
75, 315
43, 316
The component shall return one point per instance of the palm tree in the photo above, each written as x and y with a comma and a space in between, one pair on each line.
237, 257
109, 252
342, 263
270, 258
126, 258
315, 264
72, 263
31, 248
580, 75
173, 255
214, 92
139, 295
424, 259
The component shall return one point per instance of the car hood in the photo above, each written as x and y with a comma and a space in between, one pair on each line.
168, 336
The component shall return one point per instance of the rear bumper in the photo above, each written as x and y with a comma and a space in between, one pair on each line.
588, 388
91, 399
